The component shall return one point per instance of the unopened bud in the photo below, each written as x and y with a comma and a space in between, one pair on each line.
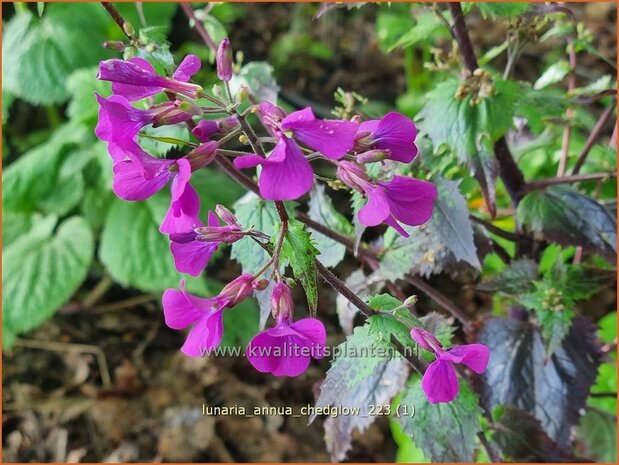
372, 156
218, 91
260, 284
205, 129
226, 234
237, 290
224, 60
226, 215
242, 93
116, 45
227, 124
243, 139
128, 28
353, 176
281, 301
202, 155
410, 301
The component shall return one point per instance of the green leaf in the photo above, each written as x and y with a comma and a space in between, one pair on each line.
407, 451
598, 430
391, 26
383, 302
240, 323
135, 253
39, 54
82, 85
157, 49
425, 25
253, 212
155, 14
445, 432
470, 130
158, 141
15, 225
502, 9
300, 252
567, 217
516, 279
37, 181
553, 74
321, 210
41, 271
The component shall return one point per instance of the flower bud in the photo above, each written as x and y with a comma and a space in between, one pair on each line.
281, 302
353, 176
227, 124
202, 155
205, 129
260, 284
224, 60
227, 234
226, 215
128, 29
237, 290
116, 45
372, 156
242, 93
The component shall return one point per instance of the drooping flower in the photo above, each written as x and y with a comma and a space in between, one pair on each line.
439, 382
286, 174
394, 133
287, 348
182, 309
400, 200
136, 78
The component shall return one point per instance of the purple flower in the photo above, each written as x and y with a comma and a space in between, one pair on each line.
286, 174
400, 200
332, 138
136, 78
209, 127
439, 382
286, 349
394, 132
182, 309
119, 120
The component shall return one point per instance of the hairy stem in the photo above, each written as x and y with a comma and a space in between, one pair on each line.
567, 131
117, 17
596, 132
199, 26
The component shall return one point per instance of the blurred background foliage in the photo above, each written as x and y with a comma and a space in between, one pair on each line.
76, 259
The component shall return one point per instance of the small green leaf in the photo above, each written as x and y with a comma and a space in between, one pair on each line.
300, 252
41, 271
502, 9
553, 74
598, 431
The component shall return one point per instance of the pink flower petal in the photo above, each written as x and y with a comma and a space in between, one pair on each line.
288, 179
183, 213
178, 310
205, 335
130, 183
474, 356
397, 133
410, 200
439, 382
189, 66
377, 208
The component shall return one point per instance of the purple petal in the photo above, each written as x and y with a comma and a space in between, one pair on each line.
189, 66
391, 221
410, 200
143, 83
178, 310
397, 133
259, 352
377, 208
292, 365
333, 138
183, 212
262, 353
439, 382
192, 257
119, 120
474, 356
205, 129
425, 339
370, 126
130, 183
117, 153
248, 161
288, 179
312, 329
205, 335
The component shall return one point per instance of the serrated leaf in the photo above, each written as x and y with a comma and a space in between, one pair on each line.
135, 253
300, 252
470, 130
391, 26
450, 220
426, 24
38, 54
374, 392
383, 302
322, 211
40, 271
564, 215
361, 285
446, 432
553, 389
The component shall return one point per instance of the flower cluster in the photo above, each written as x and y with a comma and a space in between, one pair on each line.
142, 97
